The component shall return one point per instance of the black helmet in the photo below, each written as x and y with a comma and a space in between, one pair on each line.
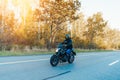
67, 36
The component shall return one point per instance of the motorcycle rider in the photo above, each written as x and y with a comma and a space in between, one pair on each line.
64, 52
68, 42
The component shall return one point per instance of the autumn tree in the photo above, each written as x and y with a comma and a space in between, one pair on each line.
95, 25
7, 25
111, 38
55, 13
77, 31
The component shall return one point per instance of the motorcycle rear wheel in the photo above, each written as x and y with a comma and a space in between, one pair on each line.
71, 58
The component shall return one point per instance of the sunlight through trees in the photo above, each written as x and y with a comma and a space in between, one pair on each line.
43, 24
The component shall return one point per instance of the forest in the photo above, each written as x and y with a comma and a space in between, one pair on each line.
42, 24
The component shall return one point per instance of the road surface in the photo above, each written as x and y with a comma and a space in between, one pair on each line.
87, 66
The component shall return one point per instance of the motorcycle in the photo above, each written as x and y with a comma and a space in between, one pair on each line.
62, 55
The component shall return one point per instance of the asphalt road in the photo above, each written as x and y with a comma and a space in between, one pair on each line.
87, 66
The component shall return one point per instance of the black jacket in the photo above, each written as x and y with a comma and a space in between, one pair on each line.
68, 42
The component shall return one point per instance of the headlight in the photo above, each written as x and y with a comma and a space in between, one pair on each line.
57, 49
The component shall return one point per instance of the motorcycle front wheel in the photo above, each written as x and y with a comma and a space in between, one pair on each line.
54, 60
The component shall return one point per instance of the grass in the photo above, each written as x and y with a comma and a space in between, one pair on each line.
92, 50
27, 53
23, 53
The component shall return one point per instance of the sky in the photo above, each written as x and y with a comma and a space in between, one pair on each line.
110, 10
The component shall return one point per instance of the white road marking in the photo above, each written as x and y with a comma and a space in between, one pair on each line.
113, 62
89, 55
16, 62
